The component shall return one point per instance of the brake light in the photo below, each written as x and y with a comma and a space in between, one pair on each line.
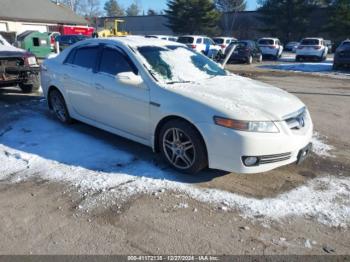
223, 46
317, 47
193, 46
52, 40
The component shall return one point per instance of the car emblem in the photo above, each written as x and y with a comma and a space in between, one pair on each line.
301, 121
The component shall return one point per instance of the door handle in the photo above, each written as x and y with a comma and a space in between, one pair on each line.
99, 86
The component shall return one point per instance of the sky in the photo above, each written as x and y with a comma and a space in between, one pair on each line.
161, 4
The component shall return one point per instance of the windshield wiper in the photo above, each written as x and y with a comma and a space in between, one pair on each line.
178, 82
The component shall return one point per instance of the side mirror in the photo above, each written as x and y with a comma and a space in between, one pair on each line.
129, 78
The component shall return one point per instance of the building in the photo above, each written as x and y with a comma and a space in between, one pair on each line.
18, 16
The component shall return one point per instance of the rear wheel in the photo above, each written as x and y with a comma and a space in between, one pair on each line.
260, 58
250, 60
59, 106
26, 88
336, 66
182, 147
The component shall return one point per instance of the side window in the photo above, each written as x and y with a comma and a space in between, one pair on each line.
114, 62
86, 57
199, 41
70, 57
207, 41
228, 41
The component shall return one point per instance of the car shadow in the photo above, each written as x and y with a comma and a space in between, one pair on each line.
13, 95
84, 146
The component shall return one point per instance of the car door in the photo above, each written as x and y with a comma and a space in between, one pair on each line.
120, 105
200, 45
77, 78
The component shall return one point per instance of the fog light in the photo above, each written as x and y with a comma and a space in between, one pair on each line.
250, 160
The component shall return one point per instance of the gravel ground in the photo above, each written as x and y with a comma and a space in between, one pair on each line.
43, 216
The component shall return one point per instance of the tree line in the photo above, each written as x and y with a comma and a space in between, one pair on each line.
286, 19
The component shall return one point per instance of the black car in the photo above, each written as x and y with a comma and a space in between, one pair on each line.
245, 51
342, 55
18, 68
68, 40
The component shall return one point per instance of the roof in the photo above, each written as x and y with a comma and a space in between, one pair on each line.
41, 11
135, 41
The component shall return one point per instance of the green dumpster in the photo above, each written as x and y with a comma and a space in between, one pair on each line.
35, 42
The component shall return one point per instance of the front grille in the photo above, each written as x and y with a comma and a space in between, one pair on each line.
274, 158
297, 120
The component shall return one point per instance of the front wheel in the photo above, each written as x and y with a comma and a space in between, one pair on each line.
59, 107
250, 60
260, 58
182, 147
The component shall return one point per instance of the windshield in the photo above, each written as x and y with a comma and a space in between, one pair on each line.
345, 44
218, 41
310, 42
185, 40
266, 42
173, 64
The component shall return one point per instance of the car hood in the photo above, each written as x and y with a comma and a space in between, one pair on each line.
240, 98
11, 51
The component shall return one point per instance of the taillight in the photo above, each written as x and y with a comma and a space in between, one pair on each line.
300, 47
193, 46
273, 47
223, 46
317, 47
52, 40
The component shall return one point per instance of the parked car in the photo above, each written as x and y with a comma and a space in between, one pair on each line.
164, 37
18, 68
178, 102
68, 40
291, 47
329, 44
202, 44
342, 55
224, 42
311, 48
53, 36
271, 47
245, 51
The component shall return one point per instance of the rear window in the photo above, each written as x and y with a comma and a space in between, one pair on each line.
241, 44
266, 42
310, 42
186, 40
218, 41
86, 57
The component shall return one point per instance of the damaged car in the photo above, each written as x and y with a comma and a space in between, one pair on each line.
178, 102
18, 68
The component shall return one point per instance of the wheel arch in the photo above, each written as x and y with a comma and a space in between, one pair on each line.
169, 118
49, 90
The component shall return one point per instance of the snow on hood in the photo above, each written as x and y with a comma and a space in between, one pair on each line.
241, 98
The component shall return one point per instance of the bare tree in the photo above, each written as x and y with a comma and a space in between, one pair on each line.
91, 8
75, 5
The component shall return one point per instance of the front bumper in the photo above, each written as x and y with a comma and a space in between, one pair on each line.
226, 147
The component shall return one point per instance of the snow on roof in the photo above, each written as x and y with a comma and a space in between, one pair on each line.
137, 41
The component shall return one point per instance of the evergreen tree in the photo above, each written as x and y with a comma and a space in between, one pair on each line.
133, 10
192, 16
287, 19
226, 6
113, 8
339, 22
151, 12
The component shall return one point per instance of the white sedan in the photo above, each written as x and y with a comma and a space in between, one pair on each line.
179, 102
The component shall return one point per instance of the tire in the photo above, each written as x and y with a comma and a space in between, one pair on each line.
182, 147
297, 59
260, 58
31, 85
59, 107
249, 60
336, 66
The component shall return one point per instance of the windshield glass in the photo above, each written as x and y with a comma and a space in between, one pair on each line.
345, 44
310, 42
266, 42
185, 40
173, 64
218, 41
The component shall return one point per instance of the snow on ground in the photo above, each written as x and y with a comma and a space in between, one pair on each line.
38, 147
321, 68
320, 147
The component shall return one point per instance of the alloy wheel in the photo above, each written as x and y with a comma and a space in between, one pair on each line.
179, 148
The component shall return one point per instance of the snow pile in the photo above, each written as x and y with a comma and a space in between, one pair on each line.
321, 148
37, 147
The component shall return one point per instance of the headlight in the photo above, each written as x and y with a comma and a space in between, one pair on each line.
249, 126
30, 60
